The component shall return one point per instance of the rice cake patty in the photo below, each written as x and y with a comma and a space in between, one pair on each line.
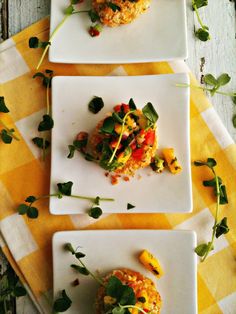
142, 286
129, 10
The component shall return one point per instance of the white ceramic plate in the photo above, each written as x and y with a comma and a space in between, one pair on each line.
108, 250
153, 192
157, 35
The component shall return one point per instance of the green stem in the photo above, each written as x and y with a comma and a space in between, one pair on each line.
100, 281
198, 16
206, 89
133, 307
120, 137
216, 215
9, 131
75, 196
54, 33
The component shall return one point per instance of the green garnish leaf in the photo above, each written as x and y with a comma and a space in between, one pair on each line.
46, 79
223, 79
211, 163
96, 104
30, 199
116, 117
69, 10
97, 200
127, 296
62, 304
34, 42
150, 113
234, 120
32, 212
202, 249
202, 34
94, 17
69, 247
80, 269
223, 195
113, 6
78, 145
3, 107
41, 143
95, 212
65, 188
200, 3
79, 255
132, 104
222, 227
22, 209
209, 79
47, 123
119, 310
130, 206
113, 287
108, 126
6, 137
19, 291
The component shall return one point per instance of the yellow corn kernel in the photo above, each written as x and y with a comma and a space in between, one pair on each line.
171, 160
151, 263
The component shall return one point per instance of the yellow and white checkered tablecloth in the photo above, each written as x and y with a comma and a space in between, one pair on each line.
27, 243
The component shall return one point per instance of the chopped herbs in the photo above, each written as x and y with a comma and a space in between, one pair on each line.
113, 6
63, 303
108, 126
94, 17
221, 227
203, 32
3, 107
150, 113
95, 212
41, 142
46, 78
34, 42
130, 206
80, 145
63, 189
96, 104
46, 124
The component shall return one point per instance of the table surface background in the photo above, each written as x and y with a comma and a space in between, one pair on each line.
219, 54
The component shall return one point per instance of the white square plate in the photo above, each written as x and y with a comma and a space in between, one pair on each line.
108, 250
153, 192
158, 35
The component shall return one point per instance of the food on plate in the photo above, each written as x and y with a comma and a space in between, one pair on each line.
151, 263
118, 12
171, 160
145, 295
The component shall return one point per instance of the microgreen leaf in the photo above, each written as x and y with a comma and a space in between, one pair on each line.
202, 34
116, 117
130, 206
19, 291
128, 296
200, 3
97, 200
46, 124
62, 304
41, 143
113, 287
46, 79
95, 212
69, 10
150, 113
79, 255
113, 6
69, 247
94, 17
22, 209
202, 249
234, 120
96, 104
119, 310
223, 79
6, 137
108, 125
209, 79
222, 227
132, 104
32, 212
3, 107
34, 42
30, 199
65, 188
80, 269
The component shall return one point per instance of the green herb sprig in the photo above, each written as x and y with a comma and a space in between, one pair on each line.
219, 227
64, 189
34, 42
47, 122
203, 32
214, 83
6, 134
10, 288
63, 303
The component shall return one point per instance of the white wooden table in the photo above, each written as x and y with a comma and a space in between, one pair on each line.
219, 54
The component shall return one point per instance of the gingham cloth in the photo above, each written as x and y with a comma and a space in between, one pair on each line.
27, 243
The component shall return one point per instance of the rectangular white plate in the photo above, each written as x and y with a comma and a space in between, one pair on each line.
108, 250
153, 192
157, 35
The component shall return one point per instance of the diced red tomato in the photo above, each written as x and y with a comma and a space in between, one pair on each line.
138, 153
133, 146
125, 108
93, 31
142, 132
117, 108
150, 137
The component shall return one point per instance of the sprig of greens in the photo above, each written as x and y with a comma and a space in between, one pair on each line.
219, 227
63, 303
34, 42
215, 83
203, 32
96, 104
63, 189
6, 134
47, 122
10, 287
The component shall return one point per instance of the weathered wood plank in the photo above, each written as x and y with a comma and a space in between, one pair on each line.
219, 52
23, 13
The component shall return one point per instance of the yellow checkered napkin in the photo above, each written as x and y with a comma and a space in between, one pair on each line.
27, 243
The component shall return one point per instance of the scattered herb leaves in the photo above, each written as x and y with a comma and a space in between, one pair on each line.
41, 142
221, 227
96, 104
150, 113
34, 43
203, 32
130, 206
113, 6
63, 303
95, 212
3, 107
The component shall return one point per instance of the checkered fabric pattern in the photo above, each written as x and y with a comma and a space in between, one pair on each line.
27, 243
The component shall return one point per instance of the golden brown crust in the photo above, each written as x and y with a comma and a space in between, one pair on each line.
129, 10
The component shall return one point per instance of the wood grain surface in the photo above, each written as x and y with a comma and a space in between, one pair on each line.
219, 54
